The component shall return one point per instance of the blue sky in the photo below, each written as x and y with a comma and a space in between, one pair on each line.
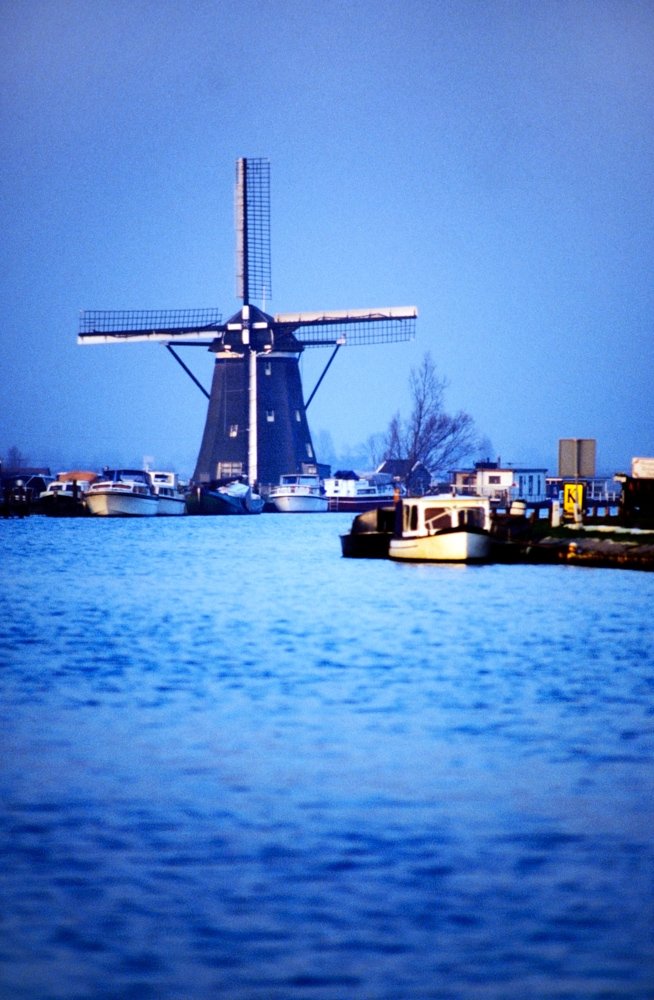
491, 163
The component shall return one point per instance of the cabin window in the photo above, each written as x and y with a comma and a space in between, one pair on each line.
410, 517
233, 430
270, 416
494, 480
436, 518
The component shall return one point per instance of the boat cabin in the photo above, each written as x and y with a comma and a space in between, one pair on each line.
298, 480
419, 516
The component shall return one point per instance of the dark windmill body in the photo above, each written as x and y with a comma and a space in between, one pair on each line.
256, 426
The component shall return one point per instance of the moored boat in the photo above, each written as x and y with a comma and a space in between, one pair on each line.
224, 497
172, 496
122, 493
66, 495
298, 493
347, 491
442, 528
16, 499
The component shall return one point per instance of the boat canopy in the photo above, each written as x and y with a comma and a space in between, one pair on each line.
77, 476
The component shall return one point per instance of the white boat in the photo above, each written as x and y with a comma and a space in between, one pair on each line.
442, 529
347, 491
298, 493
122, 493
172, 498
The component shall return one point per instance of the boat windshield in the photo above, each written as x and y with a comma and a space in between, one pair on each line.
441, 518
437, 518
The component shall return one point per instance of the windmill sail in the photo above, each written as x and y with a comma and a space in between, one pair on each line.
256, 423
110, 327
252, 197
351, 326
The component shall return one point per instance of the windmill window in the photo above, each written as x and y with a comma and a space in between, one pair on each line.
267, 368
298, 416
309, 450
233, 430
270, 416
224, 470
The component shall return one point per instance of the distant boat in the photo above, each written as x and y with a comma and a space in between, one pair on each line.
20, 491
66, 495
16, 499
347, 491
122, 493
172, 497
298, 493
224, 497
442, 529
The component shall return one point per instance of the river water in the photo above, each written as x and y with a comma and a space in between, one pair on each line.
236, 765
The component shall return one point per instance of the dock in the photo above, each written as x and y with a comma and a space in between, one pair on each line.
598, 538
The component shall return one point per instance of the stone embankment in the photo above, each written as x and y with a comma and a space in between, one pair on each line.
576, 546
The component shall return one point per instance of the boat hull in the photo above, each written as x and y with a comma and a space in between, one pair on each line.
114, 504
455, 545
358, 505
171, 506
298, 503
62, 506
367, 545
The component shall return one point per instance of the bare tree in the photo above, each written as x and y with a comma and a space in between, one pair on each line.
15, 458
376, 449
430, 435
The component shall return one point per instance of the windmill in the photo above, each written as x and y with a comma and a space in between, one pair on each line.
256, 423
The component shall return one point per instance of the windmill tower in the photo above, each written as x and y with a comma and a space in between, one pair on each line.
256, 423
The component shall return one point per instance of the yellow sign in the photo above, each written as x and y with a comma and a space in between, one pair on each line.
573, 498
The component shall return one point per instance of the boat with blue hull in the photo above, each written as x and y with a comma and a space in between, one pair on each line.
224, 498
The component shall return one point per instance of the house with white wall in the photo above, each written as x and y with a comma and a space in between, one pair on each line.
501, 482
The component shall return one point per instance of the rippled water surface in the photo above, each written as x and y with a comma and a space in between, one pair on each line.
236, 765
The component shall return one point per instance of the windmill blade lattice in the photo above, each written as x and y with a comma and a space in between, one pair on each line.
107, 326
252, 202
353, 326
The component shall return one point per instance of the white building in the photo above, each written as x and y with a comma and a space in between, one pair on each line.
504, 483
